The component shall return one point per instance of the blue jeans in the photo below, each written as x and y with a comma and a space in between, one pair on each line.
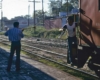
69, 54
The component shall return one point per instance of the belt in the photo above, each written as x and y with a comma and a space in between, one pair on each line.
14, 41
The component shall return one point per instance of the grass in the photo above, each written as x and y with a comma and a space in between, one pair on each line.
41, 32
52, 64
2, 33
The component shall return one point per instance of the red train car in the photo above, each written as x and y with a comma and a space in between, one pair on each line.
89, 34
90, 22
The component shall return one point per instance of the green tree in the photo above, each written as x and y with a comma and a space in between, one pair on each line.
40, 15
66, 7
75, 3
4, 18
54, 6
57, 6
27, 16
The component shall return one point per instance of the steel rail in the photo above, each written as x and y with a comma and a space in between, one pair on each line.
44, 42
45, 50
62, 64
51, 52
28, 51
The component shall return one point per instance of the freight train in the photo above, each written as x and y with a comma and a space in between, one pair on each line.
89, 34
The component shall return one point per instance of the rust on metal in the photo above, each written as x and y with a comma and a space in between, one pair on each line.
90, 22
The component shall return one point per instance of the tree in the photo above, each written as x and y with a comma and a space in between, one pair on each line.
74, 3
4, 18
57, 6
54, 6
27, 16
66, 7
40, 15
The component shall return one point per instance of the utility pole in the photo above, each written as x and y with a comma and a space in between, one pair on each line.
1, 12
43, 11
34, 16
28, 13
34, 26
1, 20
61, 2
67, 8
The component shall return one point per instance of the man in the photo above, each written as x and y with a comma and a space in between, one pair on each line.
70, 26
15, 35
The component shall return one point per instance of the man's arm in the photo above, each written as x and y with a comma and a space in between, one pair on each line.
6, 33
77, 24
21, 34
64, 29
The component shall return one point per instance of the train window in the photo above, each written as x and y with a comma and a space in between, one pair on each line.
99, 4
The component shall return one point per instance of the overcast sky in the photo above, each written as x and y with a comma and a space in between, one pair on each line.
12, 8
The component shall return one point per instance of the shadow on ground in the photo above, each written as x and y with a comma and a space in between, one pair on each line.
27, 72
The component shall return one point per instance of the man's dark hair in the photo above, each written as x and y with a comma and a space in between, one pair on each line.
16, 24
71, 18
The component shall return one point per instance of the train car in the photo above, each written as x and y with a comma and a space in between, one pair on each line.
89, 38
90, 22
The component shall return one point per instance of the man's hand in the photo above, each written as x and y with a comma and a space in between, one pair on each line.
59, 37
61, 29
6, 28
22, 29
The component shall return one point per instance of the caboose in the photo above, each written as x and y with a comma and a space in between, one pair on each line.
89, 35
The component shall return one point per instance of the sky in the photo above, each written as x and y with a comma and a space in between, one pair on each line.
12, 8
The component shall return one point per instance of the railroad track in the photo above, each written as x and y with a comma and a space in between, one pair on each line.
50, 46
56, 43
47, 55
50, 54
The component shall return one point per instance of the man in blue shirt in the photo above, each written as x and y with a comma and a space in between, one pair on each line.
14, 34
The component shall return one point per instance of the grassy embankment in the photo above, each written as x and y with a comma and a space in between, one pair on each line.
41, 32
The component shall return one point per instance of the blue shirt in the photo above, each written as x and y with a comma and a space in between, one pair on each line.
14, 34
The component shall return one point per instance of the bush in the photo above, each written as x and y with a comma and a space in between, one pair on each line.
2, 33
41, 32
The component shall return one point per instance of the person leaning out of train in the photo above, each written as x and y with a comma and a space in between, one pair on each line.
70, 27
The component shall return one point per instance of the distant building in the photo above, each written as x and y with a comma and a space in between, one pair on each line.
23, 22
74, 11
62, 14
9, 23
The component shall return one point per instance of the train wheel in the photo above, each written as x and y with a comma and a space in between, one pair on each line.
90, 65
